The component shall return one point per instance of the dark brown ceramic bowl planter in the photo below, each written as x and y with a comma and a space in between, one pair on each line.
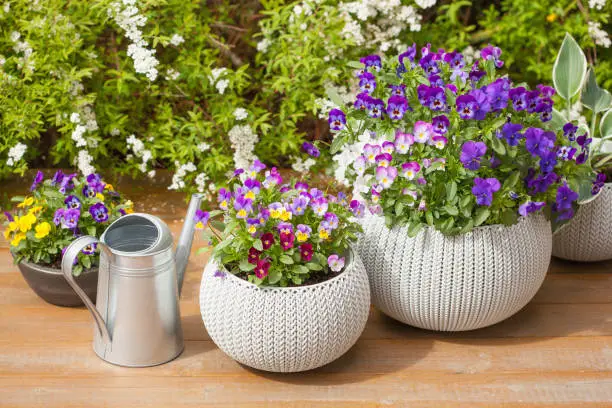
51, 286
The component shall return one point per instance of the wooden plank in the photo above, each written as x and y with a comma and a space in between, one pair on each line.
410, 356
570, 389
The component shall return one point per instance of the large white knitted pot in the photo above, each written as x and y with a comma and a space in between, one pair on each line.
455, 283
285, 329
588, 236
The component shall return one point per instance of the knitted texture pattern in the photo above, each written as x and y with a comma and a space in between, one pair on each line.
455, 283
285, 329
588, 236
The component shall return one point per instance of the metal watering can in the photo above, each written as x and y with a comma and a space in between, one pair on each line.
137, 316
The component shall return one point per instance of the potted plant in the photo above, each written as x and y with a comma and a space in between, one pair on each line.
283, 290
56, 211
462, 177
588, 237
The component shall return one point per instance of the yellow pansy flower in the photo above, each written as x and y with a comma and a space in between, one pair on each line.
100, 196
26, 222
7, 233
35, 209
109, 187
42, 230
13, 226
26, 203
128, 207
18, 238
551, 18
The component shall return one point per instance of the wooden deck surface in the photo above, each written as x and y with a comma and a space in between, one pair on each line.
555, 352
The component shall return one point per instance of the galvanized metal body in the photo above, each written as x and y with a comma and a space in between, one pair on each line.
137, 312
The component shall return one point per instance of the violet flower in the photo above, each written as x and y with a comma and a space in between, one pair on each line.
37, 180
98, 211
337, 122
335, 263
471, 154
483, 190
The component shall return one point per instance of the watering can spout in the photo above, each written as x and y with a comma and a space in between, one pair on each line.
183, 248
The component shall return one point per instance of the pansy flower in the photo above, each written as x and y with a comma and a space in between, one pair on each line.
286, 241
511, 132
566, 153
299, 205
439, 141
37, 180
223, 198
466, 106
384, 159
337, 122
70, 217
357, 208
518, 96
376, 107
409, 54
548, 161
201, 218
301, 186
324, 230
72, 201
306, 251
436, 99
311, 149
90, 249
303, 232
58, 216
335, 263
530, 207
255, 168
538, 142
253, 257
372, 61
398, 90
370, 152
454, 60
267, 240
386, 175
361, 101
533, 100
565, 197
243, 206
262, 268
396, 107
403, 141
251, 188
332, 220
319, 205
422, 131
98, 211
483, 190
410, 170
429, 64
471, 154
492, 53
367, 82
57, 178
252, 224
360, 165
583, 141
440, 124
569, 131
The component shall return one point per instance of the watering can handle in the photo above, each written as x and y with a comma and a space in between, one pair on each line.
67, 263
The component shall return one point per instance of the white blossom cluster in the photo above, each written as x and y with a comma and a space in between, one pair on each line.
241, 113
172, 74
84, 160
16, 153
177, 40
600, 36
215, 78
178, 181
470, 54
200, 181
127, 17
379, 22
597, 4
347, 157
25, 61
301, 165
203, 146
324, 105
138, 148
243, 141
85, 123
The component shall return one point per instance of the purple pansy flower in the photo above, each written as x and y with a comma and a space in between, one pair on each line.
565, 197
224, 198
262, 268
398, 90
410, 170
273, 177
583, 141
70, 217
396, 107
319, 205
332, 220
370, 152
569, 131
303, 232
311, 149
58, 216
483, 190
367, 82
471, 154
201, 218
243, 206
299, 205
37, 180
72, 202
422, 131
440, 124
533, 100
361, 101
518, 96
548, 161
466, 106
530, 207
410, 54
436, 99
511, 132
598, 183
357, 208
384, 159
454, 60
492, 53
98, 211
57, 178
372, 61
90, 249
538, 142
306, 251
376, 107
337, 122
429, 64
439, 141
388, 147
566, 153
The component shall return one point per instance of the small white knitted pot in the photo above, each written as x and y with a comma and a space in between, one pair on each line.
285, 329
588, 236
455, 283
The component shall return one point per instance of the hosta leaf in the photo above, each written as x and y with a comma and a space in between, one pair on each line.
557, 121
334, 96
570, 68
594, 97
605, 126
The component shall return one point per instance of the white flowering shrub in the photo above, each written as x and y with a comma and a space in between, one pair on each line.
203, 87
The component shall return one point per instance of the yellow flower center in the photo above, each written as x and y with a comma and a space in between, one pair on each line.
250, 195
323, 234
242, 213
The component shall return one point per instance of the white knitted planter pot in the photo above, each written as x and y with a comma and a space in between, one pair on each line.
455, 283
285, 329
588, 236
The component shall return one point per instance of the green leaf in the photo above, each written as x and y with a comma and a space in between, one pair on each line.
570, 68
355, 64
605, 126
287, 260
429, 218
498, 146
313, 266
451, 210
339, 140
258, 245
594, 97
300, 269
557, 121
86, 261
217, 224
465, 201
245, 266
333, 95
511, 181
481, 216
414, 228
91, 230
399, 206
76, 271
274, 276
451, 191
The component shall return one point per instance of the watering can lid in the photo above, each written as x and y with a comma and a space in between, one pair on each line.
139, 225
